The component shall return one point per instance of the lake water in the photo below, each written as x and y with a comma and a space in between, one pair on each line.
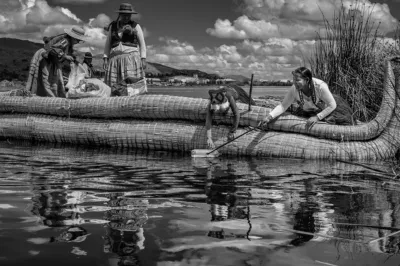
63, 205
202, 91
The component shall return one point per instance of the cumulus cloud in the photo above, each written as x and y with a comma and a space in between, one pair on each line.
101, 21
272, 59
296, 19
42, 14
34, 19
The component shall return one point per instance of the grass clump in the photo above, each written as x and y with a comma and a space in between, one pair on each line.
349, 55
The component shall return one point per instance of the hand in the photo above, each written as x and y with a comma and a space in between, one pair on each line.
394, 58
265, 121
144, 65
69, 58
105, 63
231, 136
311, 122
127, 29
210, 144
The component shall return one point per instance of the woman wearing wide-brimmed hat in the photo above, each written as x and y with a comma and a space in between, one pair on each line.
125, 49
45, 75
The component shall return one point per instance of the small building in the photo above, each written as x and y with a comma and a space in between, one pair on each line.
183, 80
224, 81
154, 81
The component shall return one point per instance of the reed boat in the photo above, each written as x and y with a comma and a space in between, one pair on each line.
171, 123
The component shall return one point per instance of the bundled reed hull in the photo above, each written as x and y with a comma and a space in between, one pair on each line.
161, 122
163, 107
185, 136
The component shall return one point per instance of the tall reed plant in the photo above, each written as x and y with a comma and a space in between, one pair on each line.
349, 55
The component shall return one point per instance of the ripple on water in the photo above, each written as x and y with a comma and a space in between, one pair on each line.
109, 207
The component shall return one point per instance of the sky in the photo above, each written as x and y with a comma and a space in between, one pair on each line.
267, 38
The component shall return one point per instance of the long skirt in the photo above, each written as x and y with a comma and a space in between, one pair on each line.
45, 76
122, 66
342, 115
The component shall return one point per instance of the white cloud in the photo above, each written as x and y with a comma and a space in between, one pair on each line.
42, 14
272, 59
34, 19
101, 21
296, 19
69, 14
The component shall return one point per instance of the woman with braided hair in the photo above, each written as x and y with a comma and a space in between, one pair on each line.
315, 100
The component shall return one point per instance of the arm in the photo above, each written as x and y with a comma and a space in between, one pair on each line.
327, 98
107, 46
284, 105
142, 43
60, 48
208, 121
87, 70
235, 111
210, 142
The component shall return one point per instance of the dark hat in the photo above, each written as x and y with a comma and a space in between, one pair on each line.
88, 55
126, 8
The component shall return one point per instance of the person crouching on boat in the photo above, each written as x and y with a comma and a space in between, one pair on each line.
125, 48
221, 100
45, 74
315, 100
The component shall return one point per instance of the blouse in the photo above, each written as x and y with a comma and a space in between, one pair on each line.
322, 93
124, 48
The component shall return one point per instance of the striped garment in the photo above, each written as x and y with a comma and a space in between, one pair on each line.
122, 66
31, 84
45, 76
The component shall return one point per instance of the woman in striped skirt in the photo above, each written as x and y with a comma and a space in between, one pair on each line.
125, 49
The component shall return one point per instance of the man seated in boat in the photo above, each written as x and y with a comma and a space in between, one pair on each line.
87, 65
315, 100
221, 100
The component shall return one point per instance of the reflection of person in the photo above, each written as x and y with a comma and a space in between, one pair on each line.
87, 65
72, 234
124, 232
222, 195
124, 244
125, 48
316, 102
304, 218
54, 208
45, 75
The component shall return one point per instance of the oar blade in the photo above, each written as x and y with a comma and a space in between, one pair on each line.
204, 153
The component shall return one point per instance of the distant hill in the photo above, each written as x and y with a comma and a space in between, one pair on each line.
16, 44
15, 56
239, 78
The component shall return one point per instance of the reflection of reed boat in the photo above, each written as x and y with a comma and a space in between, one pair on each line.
163, 122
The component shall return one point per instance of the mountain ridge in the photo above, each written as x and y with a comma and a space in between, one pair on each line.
16, 54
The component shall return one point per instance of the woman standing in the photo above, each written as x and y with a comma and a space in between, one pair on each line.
45, 75
125, 49
316, 102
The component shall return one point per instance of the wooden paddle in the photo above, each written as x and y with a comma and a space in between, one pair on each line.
214, 152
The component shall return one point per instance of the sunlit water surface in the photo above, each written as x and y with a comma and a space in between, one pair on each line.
85, 206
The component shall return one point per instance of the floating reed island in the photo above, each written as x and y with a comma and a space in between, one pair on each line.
170, 123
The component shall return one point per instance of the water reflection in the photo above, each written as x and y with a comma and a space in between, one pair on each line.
109, 207
124, 232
